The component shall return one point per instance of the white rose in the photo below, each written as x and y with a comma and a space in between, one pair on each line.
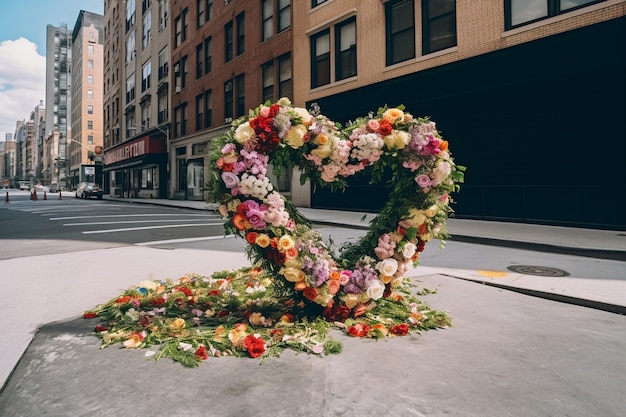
148, 285
292, 274
244, 133
388, 266
409, 250
441, 172
376, 290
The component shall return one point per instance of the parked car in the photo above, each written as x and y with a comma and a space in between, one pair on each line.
88, 190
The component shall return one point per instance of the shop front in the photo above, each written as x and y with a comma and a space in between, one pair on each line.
138, 168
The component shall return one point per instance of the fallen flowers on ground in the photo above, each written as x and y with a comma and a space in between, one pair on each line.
239, 313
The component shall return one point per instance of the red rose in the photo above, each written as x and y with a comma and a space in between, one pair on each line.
338, 312
90, 315
385, 128
223, 313
400, 329
202, 353
310, 293
251, 237
157, 301
99, 328
215, 292
359, 330
254, 345
184, 290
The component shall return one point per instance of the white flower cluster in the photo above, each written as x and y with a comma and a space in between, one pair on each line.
255, 187
367, 146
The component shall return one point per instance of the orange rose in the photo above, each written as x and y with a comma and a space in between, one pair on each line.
333, 286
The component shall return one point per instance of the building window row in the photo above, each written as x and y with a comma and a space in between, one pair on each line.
523, 12
345, 53
181, 25
273, 71
234, 37
203, 57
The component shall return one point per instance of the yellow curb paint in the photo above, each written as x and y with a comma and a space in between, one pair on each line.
492, 274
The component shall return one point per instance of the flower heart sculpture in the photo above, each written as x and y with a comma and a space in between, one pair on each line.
298, 288
282, 241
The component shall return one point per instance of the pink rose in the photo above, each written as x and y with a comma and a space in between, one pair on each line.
373, 125
230, 180
423, 180
265, 111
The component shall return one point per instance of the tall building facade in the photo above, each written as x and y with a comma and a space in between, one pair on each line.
58, 103
136, 97
87, 99
227, 57
509, 83
7, 162
38, 116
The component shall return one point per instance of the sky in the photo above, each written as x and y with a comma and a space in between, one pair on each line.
23, 52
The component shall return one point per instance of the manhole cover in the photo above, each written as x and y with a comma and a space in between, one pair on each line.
542, 271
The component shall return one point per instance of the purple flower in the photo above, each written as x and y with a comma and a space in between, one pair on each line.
255, 217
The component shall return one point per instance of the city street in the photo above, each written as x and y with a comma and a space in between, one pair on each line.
507, 354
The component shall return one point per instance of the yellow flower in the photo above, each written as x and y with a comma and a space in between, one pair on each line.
351, 300
431, 211
322, 152
292, 274
393, 115
321, 139
295, 136
285, 243
178, 324
263, 240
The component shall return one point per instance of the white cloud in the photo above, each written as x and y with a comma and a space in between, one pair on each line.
22, 82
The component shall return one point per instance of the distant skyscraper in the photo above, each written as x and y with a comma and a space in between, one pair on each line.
58, 97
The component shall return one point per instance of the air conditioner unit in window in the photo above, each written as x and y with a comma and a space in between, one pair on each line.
177, 68
177, 89
228, 120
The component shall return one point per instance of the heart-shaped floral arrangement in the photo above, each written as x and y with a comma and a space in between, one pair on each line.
423, 174
298, 287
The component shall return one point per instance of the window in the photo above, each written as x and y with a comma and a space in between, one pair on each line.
130, 123
90, 94
199, 59
90, 49
400, 30
345, 49
207, 55
267, 73
130, 47
145, 5
178, 27
228, 41
90, 139
283, 20
200, 6
320, 59
146, 75
240, 86
199, 111
162, 106
284, 14
185, 25
208, 109
145, 115
285, 85
147, 25
89, 109
89, 79
89, 124
130, 88
268, 18
315, 3
130, 14
163, 9
439, 25
163, 63
241, 33
209, 10
523, 12
279, 69
228, 101
90, 63
183, 71
180, 120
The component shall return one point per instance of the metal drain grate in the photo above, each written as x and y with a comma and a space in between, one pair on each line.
542, 271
